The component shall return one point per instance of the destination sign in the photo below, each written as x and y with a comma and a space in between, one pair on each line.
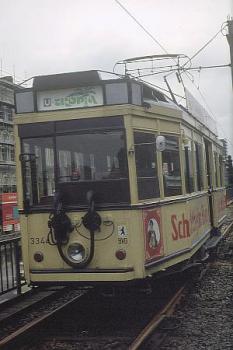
88, 96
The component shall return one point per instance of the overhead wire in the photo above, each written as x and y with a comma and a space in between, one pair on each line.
161, 46
204, 46
211, 113
188, 61
199, 68
207, 67
141, 26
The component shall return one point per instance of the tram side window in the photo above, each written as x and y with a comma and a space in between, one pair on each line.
216, 169
188, 168
146, 165
199, 165
221, 170
171, 167
39, 175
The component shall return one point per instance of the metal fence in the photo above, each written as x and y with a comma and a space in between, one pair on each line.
10, 265
229, 194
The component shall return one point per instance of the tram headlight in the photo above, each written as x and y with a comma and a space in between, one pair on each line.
76, 252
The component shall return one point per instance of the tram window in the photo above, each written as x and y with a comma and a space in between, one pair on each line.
188, 168
93, 161
216, 169
39, 180
171, 167
64, 159
208, 159
221, 170
91, 156
199, 166
146, 165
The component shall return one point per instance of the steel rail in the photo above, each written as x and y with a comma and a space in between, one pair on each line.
25, 302
7, 341
227, 229
157, 319
166, 311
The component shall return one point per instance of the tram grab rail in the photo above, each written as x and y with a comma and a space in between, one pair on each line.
10, 278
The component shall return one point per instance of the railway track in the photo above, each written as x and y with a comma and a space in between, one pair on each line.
25, 317
101, 322
162, 315
133, 321
223, 261
12, 307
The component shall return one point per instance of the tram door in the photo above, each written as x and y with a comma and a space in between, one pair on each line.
208, 152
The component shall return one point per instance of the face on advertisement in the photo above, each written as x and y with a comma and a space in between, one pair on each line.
153, 233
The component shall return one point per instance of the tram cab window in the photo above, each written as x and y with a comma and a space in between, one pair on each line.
171, 167
94, 161
188, 167
91, 156
146, 165
39, 177
199, 165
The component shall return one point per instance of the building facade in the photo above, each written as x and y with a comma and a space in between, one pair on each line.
7, 149
9, 221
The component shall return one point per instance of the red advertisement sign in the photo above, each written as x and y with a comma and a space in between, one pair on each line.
8, 197
153, 237
10, 214
9, 210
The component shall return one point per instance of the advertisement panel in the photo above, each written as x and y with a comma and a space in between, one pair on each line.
186, 223
153, 236
9, 212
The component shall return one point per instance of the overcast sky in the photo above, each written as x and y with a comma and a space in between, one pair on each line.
53, 36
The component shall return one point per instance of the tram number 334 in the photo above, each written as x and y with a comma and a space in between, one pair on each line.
38, 240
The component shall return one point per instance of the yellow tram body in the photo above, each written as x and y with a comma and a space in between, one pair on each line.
155, 228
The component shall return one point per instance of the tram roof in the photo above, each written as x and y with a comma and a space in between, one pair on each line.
83, 78
118, 89
65, 80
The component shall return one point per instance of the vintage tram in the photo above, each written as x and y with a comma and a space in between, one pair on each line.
116, 183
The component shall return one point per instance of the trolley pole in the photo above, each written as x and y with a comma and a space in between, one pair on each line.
230, 42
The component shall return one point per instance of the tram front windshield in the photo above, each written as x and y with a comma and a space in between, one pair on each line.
74, 164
